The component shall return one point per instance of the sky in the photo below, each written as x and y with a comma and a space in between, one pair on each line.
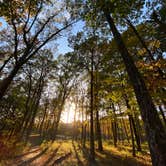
63, 42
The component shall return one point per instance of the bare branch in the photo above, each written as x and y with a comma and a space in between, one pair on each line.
15, 33
50, 37
35, 18
24, 28
43, 26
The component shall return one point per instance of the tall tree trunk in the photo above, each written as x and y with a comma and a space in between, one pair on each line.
30, 104
137, 137
31, 123
84, 135
108, 129
138, 127
122, 132
43, 119
114, 133
114, 126
155, 131
53, 126
55, 130
59, 115
98, 132
26, 113
98, 129
138, 141
74, 124
92, 146
132, 135
85, 128
7, 81
34, 112
82, 124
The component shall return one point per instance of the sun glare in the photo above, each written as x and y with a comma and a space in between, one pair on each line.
69, 112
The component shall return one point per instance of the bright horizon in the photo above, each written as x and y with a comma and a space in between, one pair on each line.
69, 112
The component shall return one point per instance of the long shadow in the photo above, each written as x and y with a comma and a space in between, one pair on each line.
27, 153
86, 155
108, 158
113, 159
144, 152
85, 151
60, 159
80, 163
27, 162
51, 157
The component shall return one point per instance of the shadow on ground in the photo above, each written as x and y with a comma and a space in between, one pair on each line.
79, 162
49, 160
86, 155
106, 158
60, 159
27, 153
29, 161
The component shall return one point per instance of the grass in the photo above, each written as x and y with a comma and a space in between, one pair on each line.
122, 155
71, 153
11, 148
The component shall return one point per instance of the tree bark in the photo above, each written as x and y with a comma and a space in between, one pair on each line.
98, 132
155, 131
7, 81
136, 135
35, 107
133, 125
26, 113
84, 135
43, 119
132, 135
92, 147
98, 129
114, 127
114, 132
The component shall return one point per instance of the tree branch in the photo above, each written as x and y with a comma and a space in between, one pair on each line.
35, 18
15, 34
49, 38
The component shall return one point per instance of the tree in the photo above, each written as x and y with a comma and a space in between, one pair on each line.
89, 52
66, 74
30, 31
27, 92
149, 113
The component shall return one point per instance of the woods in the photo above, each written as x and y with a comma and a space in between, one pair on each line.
104, 91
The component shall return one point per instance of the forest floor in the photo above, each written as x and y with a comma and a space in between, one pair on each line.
70, 153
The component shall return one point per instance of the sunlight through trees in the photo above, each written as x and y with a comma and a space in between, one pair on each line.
101, 100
